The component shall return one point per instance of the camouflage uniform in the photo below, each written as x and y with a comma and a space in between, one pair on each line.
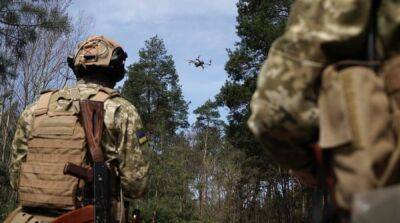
319, 33
119, 142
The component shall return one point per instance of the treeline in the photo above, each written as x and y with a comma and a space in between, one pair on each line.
208, 171
213, 171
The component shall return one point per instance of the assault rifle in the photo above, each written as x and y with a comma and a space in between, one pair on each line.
97, 176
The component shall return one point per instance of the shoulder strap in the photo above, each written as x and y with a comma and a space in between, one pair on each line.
104, 94
42, 106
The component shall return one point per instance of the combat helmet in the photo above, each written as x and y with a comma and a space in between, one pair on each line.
99, 54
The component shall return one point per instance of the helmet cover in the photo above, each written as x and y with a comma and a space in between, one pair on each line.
98, 52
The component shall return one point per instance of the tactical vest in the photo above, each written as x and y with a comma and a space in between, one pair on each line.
57, 137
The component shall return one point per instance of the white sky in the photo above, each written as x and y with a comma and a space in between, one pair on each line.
188, 27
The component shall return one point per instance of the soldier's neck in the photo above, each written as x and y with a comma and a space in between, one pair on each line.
103, 83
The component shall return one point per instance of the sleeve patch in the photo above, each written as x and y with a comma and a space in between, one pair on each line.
141, 135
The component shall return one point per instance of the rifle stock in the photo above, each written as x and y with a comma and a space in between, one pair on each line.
81, 215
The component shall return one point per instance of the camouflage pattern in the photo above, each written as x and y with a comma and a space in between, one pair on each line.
319, 32
119, 142
99, 47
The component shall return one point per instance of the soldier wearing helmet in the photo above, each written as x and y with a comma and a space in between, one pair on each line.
99, 55
49, 134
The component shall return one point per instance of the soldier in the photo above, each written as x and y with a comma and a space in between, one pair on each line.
49, 134
354, 128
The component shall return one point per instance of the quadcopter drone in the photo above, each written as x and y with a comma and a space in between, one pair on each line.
199, 63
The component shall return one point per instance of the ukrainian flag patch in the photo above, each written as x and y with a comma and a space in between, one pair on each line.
141, 135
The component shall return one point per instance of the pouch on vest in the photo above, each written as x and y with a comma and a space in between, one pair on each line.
354, 108
355, 120
382, 204
391, 74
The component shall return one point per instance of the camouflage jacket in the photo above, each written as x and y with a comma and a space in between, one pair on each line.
319, 32
119, 142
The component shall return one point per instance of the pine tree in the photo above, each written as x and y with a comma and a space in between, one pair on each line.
259, 23
208, 142
153, 87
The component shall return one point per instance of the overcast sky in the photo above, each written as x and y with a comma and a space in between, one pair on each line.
188, 27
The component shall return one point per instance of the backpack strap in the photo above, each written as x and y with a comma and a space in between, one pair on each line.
104, 94
42, 106
372, 30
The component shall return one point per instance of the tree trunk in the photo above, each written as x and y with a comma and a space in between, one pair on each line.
203, 180
5, 137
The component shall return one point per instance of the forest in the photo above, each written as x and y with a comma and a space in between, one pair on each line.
212, 170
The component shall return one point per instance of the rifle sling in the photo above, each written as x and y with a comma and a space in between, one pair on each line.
92, 113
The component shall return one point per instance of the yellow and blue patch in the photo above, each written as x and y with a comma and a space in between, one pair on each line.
141, 135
